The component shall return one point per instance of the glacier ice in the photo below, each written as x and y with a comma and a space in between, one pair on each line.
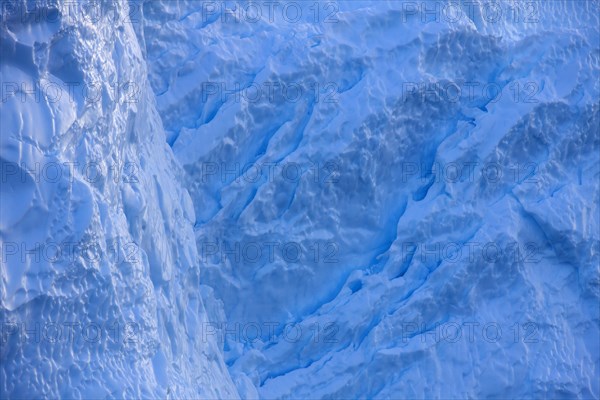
337, 199
99, 270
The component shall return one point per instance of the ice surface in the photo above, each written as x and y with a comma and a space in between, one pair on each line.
289, 192
99, 271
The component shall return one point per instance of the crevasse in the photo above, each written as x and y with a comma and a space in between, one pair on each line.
410, 245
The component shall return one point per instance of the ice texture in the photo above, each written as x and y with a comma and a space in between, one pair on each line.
405, 280
137, 296
371, 134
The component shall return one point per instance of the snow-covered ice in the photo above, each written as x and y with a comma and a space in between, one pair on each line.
335, 199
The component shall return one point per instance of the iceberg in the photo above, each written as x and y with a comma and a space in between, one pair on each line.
336, 199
